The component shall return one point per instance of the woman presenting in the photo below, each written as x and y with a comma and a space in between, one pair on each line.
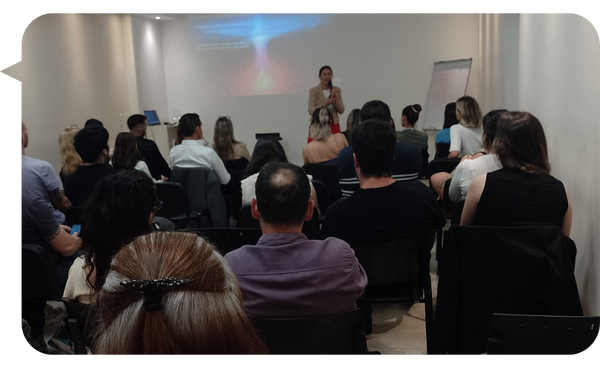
327, 96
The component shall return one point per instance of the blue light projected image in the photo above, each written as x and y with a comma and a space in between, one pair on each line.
245, 31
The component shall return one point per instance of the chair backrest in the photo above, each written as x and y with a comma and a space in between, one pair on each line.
424, 162
442, 165
322, 195
340, 333
228, 239
38, 277
514, 270
326, 173
456, 212
443, 150
391, 263
310, 228
174, 198
204, 193
80, 324
534, 334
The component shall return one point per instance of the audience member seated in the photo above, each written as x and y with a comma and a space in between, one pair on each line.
266, 150
351, 124
523, 192
410, 115
324, 145
469, 169
172, 293
407, 162
192, 153
383, 209
91, 144
120, 208
39, 180
465, 137
69, 157
285, 274
128, 157
443, 136
235, 156
157, 165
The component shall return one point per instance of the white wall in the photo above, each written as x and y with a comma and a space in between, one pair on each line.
373, 56
73, 68
559, 82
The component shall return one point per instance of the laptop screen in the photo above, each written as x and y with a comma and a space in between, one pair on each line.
152, 117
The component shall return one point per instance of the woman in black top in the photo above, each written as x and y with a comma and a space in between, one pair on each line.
523, 192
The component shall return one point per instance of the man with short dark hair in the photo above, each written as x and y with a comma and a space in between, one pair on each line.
285, 274
91, 143
157, 165
383, 209
93, 121
407, 162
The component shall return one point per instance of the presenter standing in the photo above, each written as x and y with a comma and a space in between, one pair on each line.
325, 95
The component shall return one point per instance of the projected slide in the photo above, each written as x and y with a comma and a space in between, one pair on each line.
258, 72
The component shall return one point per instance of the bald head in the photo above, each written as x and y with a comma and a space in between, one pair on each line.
282, 194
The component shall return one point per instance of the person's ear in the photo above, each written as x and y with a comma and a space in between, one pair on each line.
254, 209
151, 218
309, 210
356, 167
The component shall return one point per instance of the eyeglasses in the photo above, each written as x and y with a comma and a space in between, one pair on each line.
157, 205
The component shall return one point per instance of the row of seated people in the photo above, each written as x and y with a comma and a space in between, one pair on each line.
286, 274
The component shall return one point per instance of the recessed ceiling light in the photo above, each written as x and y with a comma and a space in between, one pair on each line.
157, 17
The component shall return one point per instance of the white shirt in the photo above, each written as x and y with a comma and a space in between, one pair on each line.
468, 170
193, 153
143, 167
465, 140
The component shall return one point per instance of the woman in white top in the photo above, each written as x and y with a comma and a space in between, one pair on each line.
127, 156
468, 169
465, 137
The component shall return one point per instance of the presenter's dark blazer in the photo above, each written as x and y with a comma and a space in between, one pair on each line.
316, 98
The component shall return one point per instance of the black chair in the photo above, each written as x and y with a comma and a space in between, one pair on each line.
38, 281
456, 212
424, 162
322, 197
442, 165
443, 150
228, 239
176, 206
203, 187
340, 333
232, 191
531, 334
80, 322
275, 136
511, 270
310, 228
392, 264
326, 173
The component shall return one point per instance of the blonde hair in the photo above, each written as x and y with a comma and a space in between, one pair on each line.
224, 139
70, 158
204, 315
469, 111
319, 126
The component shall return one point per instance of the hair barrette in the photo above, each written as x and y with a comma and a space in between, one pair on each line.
153, 289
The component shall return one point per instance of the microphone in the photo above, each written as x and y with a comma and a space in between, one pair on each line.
330, 85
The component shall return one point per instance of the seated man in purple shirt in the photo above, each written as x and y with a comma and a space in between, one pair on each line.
285, 274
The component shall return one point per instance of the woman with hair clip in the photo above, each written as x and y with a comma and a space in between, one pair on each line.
410, 115
523, 192
70, 158
172, 293
324, 146
127, 156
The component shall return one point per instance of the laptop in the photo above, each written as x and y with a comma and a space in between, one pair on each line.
152, 117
